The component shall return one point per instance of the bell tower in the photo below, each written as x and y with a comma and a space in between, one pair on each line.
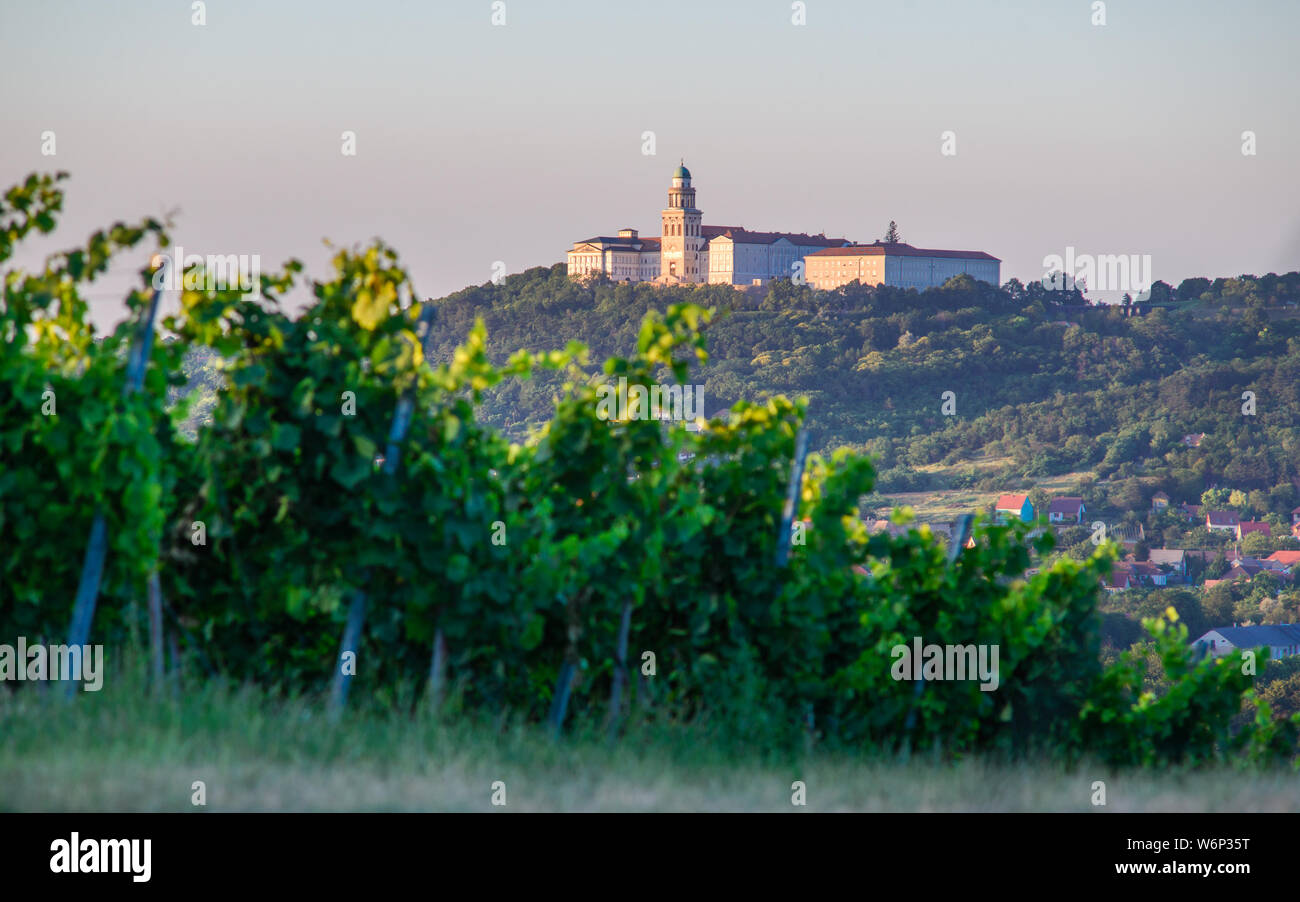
682, 244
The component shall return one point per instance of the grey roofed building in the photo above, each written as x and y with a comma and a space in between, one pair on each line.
1282, 640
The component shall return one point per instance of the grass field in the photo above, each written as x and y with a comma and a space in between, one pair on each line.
947, 504
115, 751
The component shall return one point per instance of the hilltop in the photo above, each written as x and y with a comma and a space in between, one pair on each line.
1043, 387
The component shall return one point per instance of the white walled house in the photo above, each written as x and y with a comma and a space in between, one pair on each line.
1282, 640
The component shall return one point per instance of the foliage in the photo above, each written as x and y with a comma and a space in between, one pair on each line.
1188, 722
1040, 379
527, 555
70, 443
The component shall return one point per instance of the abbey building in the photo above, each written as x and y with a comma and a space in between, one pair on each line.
688, 251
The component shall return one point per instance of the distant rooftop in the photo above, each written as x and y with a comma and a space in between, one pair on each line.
900, 249
1253, 636
621, 243
745, 236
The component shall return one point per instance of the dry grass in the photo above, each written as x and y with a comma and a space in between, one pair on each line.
84, 781
947, 504
116, 753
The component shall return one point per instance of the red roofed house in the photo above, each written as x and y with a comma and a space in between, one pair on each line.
1250, 567
1225, 521
1121, 578
1236, 574
1144, 572
1289, 558
1061, 510
1014, 506
1246, 527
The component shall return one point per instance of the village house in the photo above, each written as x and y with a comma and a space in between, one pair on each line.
1250, 567
1277, 568
1128, 574
1224, 521
1174, 557
1065, 510
1191, 511
1194, 439
1246, 527
1120, 579
1281, 640
1245, 569
1286, 558
1147, 573
1014, 506
1159, 501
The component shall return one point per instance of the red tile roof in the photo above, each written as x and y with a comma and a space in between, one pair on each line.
1066, 505
1249, 526
1011, 502
1120, 578
1290, 558
1221, 518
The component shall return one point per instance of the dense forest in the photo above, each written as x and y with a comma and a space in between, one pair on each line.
1042, 384
1038, 378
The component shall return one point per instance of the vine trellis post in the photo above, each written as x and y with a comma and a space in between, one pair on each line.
392, 458
958, 541
792, 497
92, 568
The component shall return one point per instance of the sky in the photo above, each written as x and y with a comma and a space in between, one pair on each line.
479, 142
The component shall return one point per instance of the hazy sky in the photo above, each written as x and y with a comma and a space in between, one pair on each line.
478, 143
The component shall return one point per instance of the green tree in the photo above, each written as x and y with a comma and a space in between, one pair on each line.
1214, 499
1256, 544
